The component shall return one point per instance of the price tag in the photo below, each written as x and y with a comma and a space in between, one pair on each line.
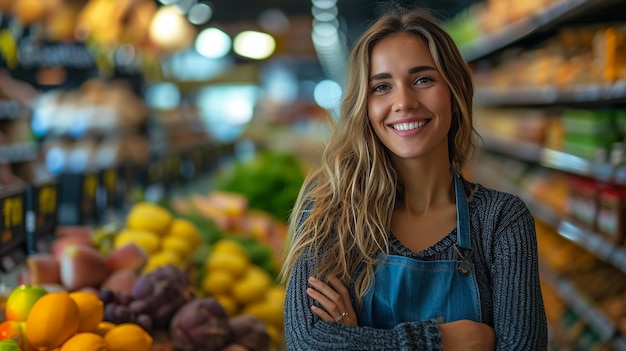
12, 230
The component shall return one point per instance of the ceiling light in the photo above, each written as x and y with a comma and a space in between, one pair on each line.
254, 45
213, 43
200, 13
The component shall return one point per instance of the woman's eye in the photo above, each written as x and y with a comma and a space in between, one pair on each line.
423, 80
381, 87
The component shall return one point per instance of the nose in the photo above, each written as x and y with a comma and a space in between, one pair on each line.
405, 98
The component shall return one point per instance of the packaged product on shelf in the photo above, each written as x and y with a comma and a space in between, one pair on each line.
583, 203
611, 211
609, 47
589, 133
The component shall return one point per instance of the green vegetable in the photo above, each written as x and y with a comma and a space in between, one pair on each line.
270, 181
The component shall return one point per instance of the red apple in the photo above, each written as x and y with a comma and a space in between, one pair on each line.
21, 300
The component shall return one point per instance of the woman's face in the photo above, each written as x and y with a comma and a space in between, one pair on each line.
409, 103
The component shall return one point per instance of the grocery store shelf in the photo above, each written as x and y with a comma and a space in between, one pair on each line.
565, 162
20, 152
555, 159
521, 150
515, 31
515, 96
591, 241
580, 304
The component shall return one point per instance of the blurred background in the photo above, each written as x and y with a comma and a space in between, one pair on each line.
105, 104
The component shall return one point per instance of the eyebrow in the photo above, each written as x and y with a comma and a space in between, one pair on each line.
412, 70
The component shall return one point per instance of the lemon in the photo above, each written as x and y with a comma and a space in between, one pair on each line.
147, 240
149, 217
235, 264
52, 320
128, 337
85, 342
161, 258
104, 327
184, 229
252, 286
275, 334
218, 282
90, 310
230, 247
229, 303
270, 313
176, 245
276, 295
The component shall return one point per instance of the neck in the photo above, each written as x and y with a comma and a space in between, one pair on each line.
426, 186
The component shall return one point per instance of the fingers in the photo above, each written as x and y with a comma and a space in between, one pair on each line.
327, 297
334, 299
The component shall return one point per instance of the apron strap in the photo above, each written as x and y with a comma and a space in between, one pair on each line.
462, 215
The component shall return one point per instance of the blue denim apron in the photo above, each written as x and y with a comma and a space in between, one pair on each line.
405, 290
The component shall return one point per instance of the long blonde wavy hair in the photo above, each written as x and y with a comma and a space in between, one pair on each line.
355, 188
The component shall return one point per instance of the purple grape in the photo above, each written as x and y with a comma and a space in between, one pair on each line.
145, 321
107, 295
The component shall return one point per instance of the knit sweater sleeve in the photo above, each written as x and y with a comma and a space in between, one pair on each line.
519, 315
307, 332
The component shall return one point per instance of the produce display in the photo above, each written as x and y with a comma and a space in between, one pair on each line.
162, 280
192, 272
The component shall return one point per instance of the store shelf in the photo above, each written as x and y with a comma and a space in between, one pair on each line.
20, 152
555, 159
515, 96
591, 241
580, 304
524, 151
544, 20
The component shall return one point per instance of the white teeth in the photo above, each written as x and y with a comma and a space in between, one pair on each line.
408, 126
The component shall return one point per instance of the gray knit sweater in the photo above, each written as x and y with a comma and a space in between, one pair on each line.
505, 257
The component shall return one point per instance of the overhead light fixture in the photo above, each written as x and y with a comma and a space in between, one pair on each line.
254, 45
170, 30
213, 43
200, 13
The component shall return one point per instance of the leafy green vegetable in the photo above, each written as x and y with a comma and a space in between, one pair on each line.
270, 180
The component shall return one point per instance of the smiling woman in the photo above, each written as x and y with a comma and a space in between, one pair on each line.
391, 247
409, 101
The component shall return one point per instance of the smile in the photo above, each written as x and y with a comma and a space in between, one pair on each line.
409, 126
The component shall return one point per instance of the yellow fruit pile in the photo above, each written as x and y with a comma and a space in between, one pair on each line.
166, 239
243, 288
73, 322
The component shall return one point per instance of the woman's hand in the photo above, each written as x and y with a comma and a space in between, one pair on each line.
334, 299
467, 335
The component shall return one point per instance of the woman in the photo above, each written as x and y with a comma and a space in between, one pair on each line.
391, 248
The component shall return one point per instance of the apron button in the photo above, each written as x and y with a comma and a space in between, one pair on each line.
464, 267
